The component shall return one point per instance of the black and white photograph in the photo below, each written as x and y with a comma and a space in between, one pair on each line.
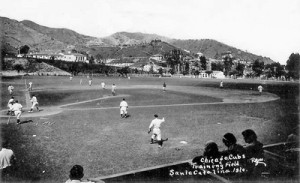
100, 91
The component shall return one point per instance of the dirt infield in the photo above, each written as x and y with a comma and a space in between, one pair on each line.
232, 96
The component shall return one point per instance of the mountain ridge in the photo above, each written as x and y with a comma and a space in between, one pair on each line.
40, 38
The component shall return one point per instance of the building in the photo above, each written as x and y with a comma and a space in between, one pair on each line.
74, 57
157, 57
217, 75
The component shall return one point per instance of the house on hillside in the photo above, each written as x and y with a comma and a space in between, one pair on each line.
74, 57
157, 57
149, 66
227, 54
199, 54
213, 74
40, 55
120, 63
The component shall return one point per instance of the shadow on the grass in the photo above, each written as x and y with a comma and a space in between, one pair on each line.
27, 121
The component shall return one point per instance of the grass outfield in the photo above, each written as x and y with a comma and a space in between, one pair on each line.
93, 135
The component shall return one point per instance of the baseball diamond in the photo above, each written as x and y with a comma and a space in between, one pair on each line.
81, 124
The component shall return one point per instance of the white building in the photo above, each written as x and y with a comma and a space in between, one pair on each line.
217, 75
157, 57
74, 57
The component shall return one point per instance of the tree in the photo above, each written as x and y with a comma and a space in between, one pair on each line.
123, 71
74, 51
203, 62
217, 66
24, 49
186, 68
227, 64
274, 70
240, 69
99, 57
91, 61
160, 71
258, 67
174, 58
18, 67
292, 65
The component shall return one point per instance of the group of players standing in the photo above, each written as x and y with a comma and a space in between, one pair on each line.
15, 108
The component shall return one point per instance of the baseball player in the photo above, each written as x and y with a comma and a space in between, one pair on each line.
155, 127
260, 88
123, 108
103, 85
71, 78
113, 89
221, 84
10, 89
17, 108
80, 82
30, 86
90, 82
164, 86
34, 103
9, 105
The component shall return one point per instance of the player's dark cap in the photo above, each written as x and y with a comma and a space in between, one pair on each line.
12, 97
229, 137
16, 101
247, 133
155, 115
123, 98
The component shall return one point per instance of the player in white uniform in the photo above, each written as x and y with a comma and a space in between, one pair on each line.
155, 127
17, 108
113, 89
123, 108
10, 89
9, 105
34, 103
90, 82
221, 84
260, 88
103, 85
30, 86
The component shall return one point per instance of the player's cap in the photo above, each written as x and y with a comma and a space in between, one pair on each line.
155, 115
123, 98
16, 101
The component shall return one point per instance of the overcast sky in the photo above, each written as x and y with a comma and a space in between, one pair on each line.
264, 27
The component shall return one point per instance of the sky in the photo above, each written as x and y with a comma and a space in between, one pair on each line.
268, 28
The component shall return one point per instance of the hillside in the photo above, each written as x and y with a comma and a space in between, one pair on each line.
138, 50
33, 67
16, 34
214, 49
120, 44
63, 35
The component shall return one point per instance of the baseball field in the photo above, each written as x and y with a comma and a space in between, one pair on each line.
81, 124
